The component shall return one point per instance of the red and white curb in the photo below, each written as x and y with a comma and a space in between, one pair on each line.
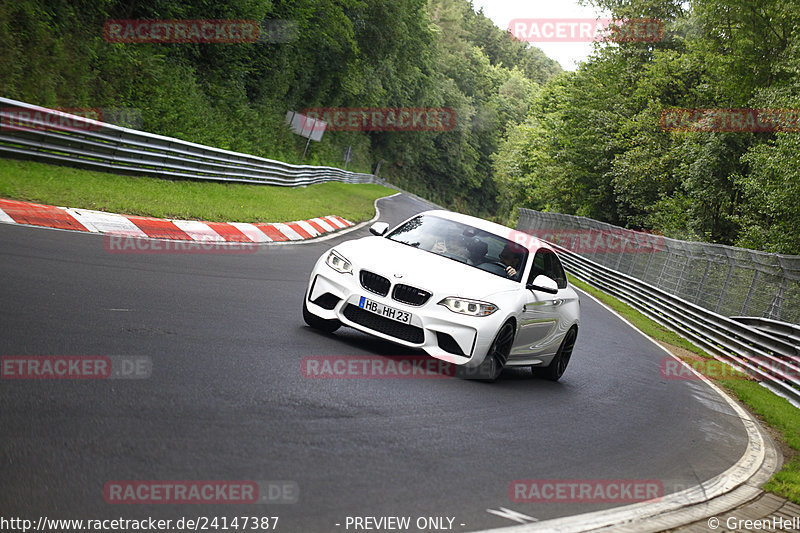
67, 218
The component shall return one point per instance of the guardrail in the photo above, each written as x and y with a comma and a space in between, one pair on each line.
724, 279
770, 359
788, 332
97, 145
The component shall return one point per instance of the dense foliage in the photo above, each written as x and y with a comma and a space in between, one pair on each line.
592, 144
336, 53
587, 142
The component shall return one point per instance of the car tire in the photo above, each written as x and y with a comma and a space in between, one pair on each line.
322, 324
558, 365
498, 352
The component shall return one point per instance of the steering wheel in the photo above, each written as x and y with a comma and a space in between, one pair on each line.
499, 265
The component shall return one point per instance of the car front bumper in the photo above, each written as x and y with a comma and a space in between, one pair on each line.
441, 333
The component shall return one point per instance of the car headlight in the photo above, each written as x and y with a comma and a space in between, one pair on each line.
469, 307
339, 263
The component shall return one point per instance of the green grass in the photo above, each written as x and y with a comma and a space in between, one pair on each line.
187, 200
775, 411
649, 327
782, 416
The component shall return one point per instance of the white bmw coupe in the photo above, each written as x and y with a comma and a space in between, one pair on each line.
471, 292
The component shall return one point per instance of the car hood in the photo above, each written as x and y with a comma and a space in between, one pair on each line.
422, 269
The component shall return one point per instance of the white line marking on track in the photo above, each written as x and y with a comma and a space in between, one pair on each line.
513, 515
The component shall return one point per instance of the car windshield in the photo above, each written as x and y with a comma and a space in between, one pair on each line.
463, 243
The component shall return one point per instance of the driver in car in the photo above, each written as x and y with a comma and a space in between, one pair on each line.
512, 260
477, 250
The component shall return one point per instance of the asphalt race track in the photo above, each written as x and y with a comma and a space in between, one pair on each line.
226, 399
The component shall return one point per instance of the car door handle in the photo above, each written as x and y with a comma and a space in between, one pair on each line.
555, 302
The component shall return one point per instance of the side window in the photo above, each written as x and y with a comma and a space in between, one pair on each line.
538, 266
557, 271
546, 262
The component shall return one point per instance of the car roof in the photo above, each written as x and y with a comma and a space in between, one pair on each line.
528, 241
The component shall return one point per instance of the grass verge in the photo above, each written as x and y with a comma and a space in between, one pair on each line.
776, 412
186, 200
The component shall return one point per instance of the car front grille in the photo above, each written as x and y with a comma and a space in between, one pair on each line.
410, 295
384, 325
374, 282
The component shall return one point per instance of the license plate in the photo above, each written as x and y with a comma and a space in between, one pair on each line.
384, 310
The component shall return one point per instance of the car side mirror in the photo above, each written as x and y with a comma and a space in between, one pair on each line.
543, 284
379, 228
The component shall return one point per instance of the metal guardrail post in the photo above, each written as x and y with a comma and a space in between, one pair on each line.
750, 293
702, 281
724, 290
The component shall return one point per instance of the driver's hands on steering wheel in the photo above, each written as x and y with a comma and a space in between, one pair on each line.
511, 271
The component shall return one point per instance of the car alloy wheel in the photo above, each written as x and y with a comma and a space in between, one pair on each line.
498, 352
558, 365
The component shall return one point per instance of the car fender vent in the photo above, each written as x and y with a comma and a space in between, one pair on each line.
449, 344
327, 301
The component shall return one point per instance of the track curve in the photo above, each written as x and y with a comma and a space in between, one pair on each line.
226, 399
